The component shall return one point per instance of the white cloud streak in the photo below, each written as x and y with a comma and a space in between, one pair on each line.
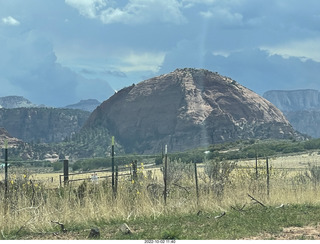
303, 49
10, 21
136, 62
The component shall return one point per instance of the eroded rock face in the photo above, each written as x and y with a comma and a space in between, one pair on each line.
185, 109
300, 107
42, 124
6, 137
294, 100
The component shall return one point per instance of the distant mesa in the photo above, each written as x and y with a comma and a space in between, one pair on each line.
301, 108
188, 108
43, 125
86, 105
294, 100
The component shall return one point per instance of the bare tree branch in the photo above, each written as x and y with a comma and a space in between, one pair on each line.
256, 201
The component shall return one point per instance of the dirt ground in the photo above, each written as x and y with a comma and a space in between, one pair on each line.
292, 233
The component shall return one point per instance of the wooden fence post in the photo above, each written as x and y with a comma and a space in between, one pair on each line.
65, 172
196, 179
256, 166
165, 174
6, 168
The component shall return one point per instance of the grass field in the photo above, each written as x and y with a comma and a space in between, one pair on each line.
253, 222
34, 207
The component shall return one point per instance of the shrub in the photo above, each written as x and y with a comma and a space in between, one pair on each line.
218, 173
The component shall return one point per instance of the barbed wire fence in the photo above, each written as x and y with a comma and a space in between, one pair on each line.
115, 171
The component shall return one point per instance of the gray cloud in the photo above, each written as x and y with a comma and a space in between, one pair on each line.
114, 73
253, 68
29, 67
258, 43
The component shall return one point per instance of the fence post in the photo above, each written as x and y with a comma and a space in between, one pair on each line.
6, 176
134, 170
112, 166
268, 178
256, 166
65, 172
162, 153
196, 179
6, 168
116, 183
165, 173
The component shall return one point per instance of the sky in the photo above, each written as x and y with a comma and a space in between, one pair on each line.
58, 52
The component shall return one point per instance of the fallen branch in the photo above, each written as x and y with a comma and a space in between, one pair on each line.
256, 201
239, 209
61, 225
281, 206
221, 215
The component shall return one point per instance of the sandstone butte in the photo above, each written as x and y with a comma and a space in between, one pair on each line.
188, 108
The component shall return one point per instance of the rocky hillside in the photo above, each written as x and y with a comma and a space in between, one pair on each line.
86, 105
15, 102
6, 137
42, 124
185, 109
301, 108
294, 100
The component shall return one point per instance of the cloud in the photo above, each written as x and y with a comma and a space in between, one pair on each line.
304, 49
29, 68
137, 62
254, 68
10, 21
260, 71
145, 11
115, 73
134, 12
91, 72
223, 17
87, 8
191, 3
259, 43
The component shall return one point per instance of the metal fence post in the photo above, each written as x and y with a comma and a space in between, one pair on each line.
65, 171
165, 174
112, 167
6, 176
256, 166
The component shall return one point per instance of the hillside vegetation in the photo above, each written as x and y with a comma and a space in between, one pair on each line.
93, 151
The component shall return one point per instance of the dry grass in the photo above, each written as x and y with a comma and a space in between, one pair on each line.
33, 205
